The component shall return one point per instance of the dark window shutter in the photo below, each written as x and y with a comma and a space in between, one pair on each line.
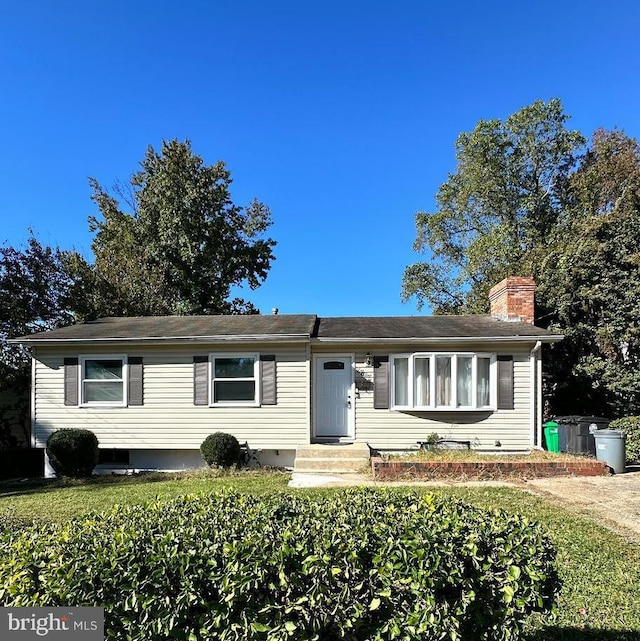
135, 380
268, 387
71, 373
200, 380
381, 382
505, 382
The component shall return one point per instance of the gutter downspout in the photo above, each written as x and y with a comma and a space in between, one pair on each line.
48, 472
310, 396
32, 401
535, 390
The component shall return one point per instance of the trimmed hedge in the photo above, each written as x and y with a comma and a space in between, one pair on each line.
359, 565
73, 452
631, 425
220, 449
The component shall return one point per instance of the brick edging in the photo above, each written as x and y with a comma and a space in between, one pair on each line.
396, 470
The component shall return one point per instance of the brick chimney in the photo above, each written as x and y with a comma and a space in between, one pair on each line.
513, 299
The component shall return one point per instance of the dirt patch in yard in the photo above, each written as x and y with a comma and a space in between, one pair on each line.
613, 501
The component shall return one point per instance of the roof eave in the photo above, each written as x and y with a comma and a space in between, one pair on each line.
281, 338
166, 340
547, 338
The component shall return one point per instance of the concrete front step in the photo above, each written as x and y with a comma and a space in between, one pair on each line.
330, 465
331, 458
333, 450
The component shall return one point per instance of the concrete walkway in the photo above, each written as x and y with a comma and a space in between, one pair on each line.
299, 479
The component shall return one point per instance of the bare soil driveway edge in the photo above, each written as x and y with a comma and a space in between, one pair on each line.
613, 501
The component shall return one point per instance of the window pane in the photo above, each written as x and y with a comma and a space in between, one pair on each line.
484, 397
106, 392
234, 367
401, 381
463, 376
333, 365
103, 369
227, 391
421, 372
443, 380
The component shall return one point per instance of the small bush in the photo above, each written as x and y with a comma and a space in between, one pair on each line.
221, 450
631, 425
360, 564
73, 452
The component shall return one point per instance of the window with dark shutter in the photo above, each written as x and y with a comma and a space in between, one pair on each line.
103, 380
71, 381
200, 380
235, 379
135, 380
505, 382
381, 382
268, 387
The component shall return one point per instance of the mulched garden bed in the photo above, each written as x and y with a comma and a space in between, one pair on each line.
468, 465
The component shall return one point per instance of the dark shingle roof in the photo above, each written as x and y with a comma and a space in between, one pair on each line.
286, 326
476, 326
182, 327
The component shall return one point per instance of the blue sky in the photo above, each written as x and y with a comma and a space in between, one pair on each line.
341, 116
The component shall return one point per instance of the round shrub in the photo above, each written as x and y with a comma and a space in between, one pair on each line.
359, 564
73, 452
220, 449
631, 425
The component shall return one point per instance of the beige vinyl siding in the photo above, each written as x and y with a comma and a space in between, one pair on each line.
392, 429
169, 419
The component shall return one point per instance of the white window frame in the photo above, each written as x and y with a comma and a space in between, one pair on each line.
82, 380
256, 379
452, 407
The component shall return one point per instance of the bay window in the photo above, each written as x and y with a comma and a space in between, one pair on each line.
401, 380
443, 381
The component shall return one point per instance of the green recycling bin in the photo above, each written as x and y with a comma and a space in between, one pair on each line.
551, 436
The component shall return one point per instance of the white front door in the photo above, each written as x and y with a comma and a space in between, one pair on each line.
333, 397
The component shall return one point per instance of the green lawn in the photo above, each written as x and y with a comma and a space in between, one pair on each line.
600, 599
62, 500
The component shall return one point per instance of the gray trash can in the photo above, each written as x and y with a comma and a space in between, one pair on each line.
610, 448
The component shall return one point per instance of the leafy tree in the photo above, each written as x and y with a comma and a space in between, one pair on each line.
496, 212
524, 200
591, 282
34, 295
181, 246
